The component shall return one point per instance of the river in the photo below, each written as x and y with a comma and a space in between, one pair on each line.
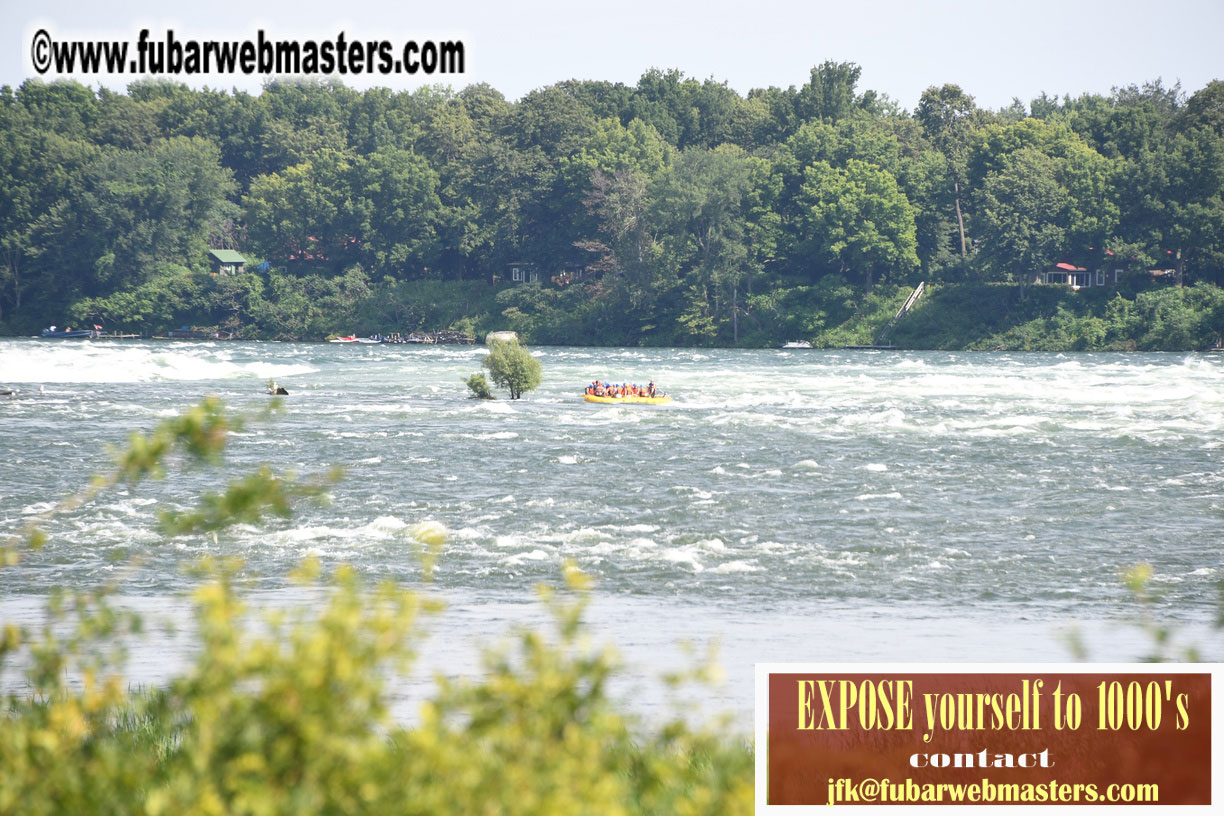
792, 505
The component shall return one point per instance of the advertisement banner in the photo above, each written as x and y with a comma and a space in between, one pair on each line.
984, 735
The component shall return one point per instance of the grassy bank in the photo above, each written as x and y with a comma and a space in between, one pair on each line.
829, 313
996, 317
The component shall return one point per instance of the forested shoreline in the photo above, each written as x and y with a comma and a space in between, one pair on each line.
672, 212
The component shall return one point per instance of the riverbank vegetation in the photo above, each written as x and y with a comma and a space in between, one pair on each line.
670, 212
989, 317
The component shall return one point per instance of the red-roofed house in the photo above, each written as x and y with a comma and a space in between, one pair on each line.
1078, 277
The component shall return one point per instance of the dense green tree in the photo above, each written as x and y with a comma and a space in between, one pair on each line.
1204, 109
715, 104
62, 107
831, 93
512, 367
604, 189
716, 229
396, 204
234, 122
553, 120
947, 115
379, 119
662, 99
128, 210
479, 387
778, 106
305, 213
751, 124
605, 100
39, 168
619, 202
858, 220
1192, 215
487, 107
924, 179
1023, 217
127, 122
485, 183
1059, 186
1128, 122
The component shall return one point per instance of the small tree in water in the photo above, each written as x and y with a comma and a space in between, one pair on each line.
479, 386
511, 366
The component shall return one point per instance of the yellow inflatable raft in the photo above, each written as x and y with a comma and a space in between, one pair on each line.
618, 400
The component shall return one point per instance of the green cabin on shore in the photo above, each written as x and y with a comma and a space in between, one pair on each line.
226, 261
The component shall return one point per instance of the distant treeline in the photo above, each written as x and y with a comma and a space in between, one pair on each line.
673, 211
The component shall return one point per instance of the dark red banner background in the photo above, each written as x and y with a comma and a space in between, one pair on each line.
801, 762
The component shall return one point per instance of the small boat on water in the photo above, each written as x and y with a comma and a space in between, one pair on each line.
68, 334
659, 400
796, 344
351, 339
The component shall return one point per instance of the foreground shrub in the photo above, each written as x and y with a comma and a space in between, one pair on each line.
288, 712
291, 717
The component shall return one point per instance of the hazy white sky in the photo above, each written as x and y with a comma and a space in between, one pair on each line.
995, 50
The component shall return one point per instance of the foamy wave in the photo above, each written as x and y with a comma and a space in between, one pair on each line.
103, 362
486, 437
695, 491
733, 567
494, 407
635, 528
711, 544
577, 537
380, 529
520, 558
685, 557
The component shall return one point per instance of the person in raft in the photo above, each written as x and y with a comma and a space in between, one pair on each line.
602, 389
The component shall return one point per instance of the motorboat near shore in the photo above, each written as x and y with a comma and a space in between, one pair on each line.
351, 339
96, 333
796, 344
447, 336
69, 333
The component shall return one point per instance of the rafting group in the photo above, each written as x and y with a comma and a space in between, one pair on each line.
599, 391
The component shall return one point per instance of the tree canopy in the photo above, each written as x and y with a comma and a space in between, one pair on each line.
672, 210
512, 367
